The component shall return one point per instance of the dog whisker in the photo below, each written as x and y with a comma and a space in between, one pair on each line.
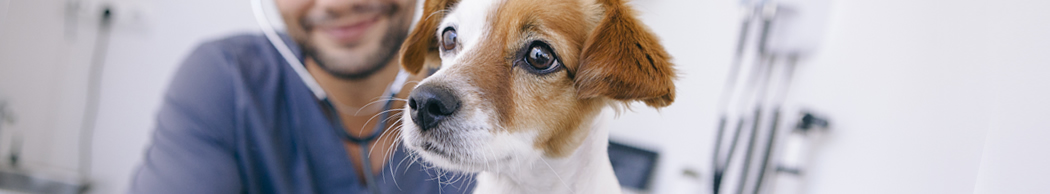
396, 124
393, 116
409, 155
468, 182
499, 165
390, 150
486, 163
415, 157
412, 82
380, 138
391, 160
373, 117
489, 150
373, 102
440, 174
453, 178
556, 175
436, 12
396, 139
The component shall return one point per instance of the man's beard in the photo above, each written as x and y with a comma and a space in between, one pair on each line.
371, 63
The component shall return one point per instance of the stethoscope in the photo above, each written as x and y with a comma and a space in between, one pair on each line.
391, 92
364, 142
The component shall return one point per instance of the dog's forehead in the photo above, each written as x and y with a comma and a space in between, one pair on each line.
509, 24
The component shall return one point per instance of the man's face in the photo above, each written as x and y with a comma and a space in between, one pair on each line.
350, 39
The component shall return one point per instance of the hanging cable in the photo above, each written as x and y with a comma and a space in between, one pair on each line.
717, 165
94, 87
785, 84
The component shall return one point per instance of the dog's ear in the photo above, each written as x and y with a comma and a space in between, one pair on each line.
421, 42
623, 60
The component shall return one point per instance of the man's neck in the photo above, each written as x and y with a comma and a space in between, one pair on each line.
358, 94
353, 101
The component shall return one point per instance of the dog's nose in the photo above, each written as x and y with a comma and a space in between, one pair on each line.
430, 105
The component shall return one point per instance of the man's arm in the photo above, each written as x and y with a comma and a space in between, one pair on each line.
192, 146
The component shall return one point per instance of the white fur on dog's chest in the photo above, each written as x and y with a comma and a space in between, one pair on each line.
588, 170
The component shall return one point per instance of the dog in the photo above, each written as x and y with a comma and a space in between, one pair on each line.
518, 86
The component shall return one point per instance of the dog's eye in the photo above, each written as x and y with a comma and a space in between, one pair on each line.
448, 38
540, 58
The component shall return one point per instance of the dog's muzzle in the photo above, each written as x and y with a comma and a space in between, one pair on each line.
429, 105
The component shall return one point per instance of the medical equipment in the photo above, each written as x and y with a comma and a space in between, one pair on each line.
720, 165
798, 148
771, 32
286, 53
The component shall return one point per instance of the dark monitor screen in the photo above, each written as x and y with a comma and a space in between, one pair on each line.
633, 166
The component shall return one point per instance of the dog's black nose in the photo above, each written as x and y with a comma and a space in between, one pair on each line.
430, 105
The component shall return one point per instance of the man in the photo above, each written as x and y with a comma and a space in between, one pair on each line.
238, 119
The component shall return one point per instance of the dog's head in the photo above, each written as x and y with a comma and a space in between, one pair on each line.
521, 79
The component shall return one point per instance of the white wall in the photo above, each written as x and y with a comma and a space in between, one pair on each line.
43, 76
1014, 157
925, 96
907, 93
139, 69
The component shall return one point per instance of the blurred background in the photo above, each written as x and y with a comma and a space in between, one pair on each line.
929, 96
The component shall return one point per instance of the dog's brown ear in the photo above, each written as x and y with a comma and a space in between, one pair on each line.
422, 41
623, 60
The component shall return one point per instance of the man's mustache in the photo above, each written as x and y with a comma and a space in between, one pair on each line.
328, 16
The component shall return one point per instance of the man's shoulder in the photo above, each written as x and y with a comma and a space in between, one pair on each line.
249, 56
243, 64
222, 76
236, 46
241, 40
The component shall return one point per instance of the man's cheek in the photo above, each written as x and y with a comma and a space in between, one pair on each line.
292, 11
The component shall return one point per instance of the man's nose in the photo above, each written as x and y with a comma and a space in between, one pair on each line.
430, 105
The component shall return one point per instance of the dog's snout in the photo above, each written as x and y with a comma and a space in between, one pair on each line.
430, 105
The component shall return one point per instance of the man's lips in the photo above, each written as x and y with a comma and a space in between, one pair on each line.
350, 33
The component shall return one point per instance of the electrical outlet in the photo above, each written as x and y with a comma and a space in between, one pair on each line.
125, 14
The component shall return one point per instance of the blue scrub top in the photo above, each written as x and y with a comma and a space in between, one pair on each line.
237, 119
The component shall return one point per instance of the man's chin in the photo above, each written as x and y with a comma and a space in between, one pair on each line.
359, 58
361, 47
348, 62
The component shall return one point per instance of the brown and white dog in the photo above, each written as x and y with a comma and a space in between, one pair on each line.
519, 84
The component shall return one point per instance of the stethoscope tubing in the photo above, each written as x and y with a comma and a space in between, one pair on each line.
315, 88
